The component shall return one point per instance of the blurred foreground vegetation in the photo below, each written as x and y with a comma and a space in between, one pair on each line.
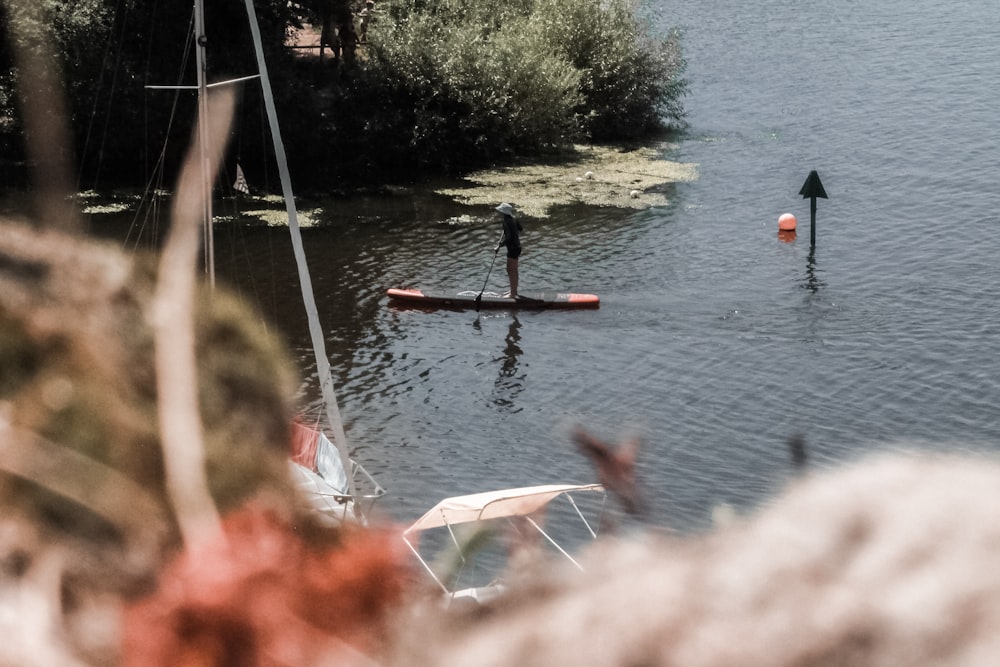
445, 86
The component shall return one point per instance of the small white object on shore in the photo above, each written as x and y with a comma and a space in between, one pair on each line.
589, 175
634, 194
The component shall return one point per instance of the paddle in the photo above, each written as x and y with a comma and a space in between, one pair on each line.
479, 299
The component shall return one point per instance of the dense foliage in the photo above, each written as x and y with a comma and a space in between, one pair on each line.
440, 85
458, 84
108, 52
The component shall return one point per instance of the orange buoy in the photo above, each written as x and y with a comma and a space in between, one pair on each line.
787, 222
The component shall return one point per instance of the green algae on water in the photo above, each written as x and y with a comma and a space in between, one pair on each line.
598, 176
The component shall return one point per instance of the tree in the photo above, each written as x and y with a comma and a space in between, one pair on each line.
444, 86
111, 50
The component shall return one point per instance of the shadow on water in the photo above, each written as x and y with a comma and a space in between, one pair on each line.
509, 383
812, 281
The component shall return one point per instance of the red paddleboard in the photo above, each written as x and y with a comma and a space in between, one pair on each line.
467, 299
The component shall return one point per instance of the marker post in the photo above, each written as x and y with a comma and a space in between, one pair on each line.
812, 189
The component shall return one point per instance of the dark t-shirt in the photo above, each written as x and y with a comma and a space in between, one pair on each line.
511, 236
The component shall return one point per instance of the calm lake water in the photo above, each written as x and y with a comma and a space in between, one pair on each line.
715, 340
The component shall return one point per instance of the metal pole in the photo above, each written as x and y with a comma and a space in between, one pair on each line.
315, 328
812, 222
200, 43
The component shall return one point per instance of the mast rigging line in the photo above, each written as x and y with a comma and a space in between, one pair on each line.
154, 180
309, 301
308, 298
113, 39
227, 82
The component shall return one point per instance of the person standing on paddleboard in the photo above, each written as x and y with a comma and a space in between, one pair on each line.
512, 239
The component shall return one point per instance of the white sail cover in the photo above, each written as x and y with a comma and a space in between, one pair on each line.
494, 504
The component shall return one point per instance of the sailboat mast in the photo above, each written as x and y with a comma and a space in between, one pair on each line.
201, 43
308, 298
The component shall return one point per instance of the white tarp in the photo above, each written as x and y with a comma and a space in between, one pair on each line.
494, 504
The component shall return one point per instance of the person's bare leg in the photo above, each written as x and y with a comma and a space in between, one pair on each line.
512, 275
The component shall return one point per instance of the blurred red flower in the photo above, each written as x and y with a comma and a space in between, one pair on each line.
262, 596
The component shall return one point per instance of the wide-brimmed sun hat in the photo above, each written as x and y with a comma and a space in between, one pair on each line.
505, 208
